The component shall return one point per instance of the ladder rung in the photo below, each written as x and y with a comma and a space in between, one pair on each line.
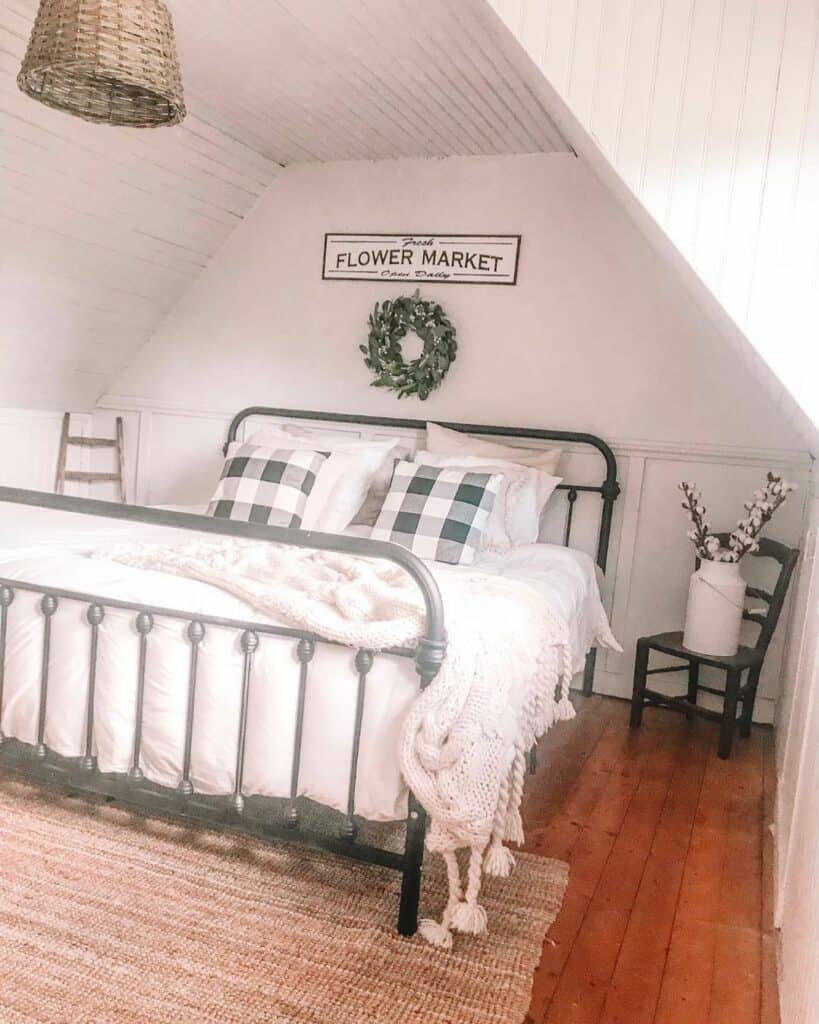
92, 442
91, 478
65, 476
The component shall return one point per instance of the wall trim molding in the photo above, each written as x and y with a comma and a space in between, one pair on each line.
9, 414
681, 450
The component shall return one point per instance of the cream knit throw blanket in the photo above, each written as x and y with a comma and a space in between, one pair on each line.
504, 682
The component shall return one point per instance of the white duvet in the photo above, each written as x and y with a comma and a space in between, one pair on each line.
52, 549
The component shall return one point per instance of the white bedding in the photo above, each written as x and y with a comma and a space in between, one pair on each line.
51, 548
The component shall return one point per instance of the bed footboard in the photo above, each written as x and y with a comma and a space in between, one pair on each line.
262, 817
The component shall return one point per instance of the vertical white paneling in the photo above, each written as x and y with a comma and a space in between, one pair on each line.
609, 83
797, 803
799, 312
655, 558
561, 27
776, 309
719, 164
663, 126
753, 146
709, 111
791, 717
533, 29
585, 59
29, 442
105, 460
696, 104
638, 91
183, 458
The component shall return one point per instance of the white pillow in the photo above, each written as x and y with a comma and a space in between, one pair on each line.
344, 481
391, 448
444, 441
515, 516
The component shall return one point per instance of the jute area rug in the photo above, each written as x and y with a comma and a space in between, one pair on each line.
109, 917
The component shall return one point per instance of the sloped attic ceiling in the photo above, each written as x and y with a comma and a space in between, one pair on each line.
102, 229
709, 114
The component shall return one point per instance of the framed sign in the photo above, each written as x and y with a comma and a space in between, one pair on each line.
447, 259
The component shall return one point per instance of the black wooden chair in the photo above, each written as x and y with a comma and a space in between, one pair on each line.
747, 659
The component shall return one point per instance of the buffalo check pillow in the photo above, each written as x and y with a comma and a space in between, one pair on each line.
437, 513
265, 485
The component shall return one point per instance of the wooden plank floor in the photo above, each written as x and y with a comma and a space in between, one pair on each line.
667, 918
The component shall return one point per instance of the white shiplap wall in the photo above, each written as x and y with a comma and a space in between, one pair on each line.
102, 229
797, 798
709, 110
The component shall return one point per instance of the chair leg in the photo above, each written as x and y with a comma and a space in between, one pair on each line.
729, 713
748, 702
693, 686
637, 694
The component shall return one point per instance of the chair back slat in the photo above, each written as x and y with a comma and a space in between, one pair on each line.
758, 617
768, 619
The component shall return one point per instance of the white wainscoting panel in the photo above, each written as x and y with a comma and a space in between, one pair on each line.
797, 800
178, 458
30, 443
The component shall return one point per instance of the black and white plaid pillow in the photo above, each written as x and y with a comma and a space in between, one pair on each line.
437, 513
265, 485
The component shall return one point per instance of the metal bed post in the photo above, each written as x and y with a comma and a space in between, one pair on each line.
196, 634
609, 492
6, 597
94, 615
48, 605
304, 652
428, 660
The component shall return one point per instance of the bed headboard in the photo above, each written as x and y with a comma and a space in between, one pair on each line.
608, 489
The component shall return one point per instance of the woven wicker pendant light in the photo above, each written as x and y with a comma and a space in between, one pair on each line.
109, 61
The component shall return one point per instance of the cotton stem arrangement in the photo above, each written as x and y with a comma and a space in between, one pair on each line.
744, 539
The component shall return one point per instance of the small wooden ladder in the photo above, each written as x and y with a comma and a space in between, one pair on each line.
78, 476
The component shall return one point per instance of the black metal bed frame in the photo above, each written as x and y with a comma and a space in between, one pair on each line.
254, 815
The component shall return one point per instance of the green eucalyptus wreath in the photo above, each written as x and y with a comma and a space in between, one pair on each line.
389, 323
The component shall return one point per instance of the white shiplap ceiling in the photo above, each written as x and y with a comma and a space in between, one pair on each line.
102, 229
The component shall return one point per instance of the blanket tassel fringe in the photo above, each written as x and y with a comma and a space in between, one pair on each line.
463, 913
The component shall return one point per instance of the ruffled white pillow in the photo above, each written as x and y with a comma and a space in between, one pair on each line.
444, 441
